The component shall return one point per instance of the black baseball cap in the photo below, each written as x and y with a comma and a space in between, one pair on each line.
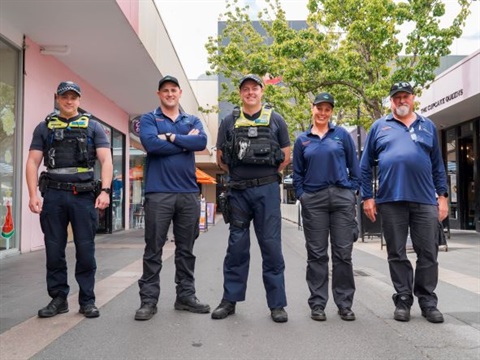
324, 98
401, 86
65, 86
252, 77
168, 78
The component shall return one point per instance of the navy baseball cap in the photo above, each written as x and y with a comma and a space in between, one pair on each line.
252, 77
401, 86
168, 78
65, 86
324, 98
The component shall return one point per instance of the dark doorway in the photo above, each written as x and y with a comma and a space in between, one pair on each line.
466, 188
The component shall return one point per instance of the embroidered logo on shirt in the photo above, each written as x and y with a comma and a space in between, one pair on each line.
385, 128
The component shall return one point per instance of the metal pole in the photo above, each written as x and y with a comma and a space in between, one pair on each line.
359, 152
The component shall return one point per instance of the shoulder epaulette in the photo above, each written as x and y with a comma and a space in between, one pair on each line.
50, 116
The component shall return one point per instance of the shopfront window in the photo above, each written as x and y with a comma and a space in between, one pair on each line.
9, 59
118, 191
137, 162
452, 172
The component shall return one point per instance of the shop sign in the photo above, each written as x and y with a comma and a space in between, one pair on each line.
135, 126
442, 101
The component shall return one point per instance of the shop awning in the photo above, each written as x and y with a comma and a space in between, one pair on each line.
203, 177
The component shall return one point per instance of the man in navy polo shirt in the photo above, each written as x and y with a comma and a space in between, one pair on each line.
170, 138
411, 174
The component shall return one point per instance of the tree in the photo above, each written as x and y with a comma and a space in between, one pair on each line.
353, 48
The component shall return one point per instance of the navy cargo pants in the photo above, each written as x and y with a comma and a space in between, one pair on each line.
160, 210
59, 209
262, 205
422, 220
330, 213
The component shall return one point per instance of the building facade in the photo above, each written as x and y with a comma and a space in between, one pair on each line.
116, 50
452, 102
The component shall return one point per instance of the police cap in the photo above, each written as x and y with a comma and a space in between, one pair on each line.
65, 86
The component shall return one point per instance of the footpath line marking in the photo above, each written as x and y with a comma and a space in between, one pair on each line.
466, 282
42, 332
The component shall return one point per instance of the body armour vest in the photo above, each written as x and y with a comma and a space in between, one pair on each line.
253, 142
68, 145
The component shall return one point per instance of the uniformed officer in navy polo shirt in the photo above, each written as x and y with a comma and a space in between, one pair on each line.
253, 146
412, 195
69, 143
326, 178
170, 137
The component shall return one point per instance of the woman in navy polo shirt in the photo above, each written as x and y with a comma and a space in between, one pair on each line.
326, 178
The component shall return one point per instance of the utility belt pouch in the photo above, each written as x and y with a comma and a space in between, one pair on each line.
97, 184
43, 182
224, 207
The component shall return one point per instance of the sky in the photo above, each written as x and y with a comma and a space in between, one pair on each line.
190, 23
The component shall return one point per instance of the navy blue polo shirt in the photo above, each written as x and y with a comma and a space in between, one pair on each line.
410, 165
319, 163
170, 167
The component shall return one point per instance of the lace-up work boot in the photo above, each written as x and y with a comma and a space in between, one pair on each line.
432, 314
191, 304
279, 315
318, 313
57, 306
89, 311
402, 307
223, 310
402, 312
146, 311
346, 314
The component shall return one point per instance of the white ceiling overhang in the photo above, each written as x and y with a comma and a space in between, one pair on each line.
102, 47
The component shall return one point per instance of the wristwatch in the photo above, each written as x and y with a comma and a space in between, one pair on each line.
168, 135
107, 190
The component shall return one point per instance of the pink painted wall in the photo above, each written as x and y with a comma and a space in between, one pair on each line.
43, 73
130, 9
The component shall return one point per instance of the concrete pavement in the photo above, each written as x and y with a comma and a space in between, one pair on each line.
250, 333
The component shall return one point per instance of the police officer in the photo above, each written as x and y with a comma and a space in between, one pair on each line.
69, 144
253, 145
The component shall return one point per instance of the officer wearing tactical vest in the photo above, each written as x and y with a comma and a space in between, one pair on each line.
253, 146
69, 144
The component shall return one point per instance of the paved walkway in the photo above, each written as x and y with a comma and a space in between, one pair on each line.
249, 334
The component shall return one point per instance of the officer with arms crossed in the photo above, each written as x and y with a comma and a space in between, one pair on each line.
69, 144
410, 171
170, 137
253, 145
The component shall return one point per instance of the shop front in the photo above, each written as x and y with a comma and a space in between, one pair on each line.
451, 102
9, 139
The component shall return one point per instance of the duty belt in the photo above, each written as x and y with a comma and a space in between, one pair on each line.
245, 184
69, 170
75, 187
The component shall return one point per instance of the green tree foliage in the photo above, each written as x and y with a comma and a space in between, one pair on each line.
354, 49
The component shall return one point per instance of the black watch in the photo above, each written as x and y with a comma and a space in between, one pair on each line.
168, 135
107, 190
445, 194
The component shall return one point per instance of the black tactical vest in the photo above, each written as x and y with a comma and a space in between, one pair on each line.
254, 143
68, 144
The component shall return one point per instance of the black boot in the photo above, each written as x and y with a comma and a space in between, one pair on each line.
223, 310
